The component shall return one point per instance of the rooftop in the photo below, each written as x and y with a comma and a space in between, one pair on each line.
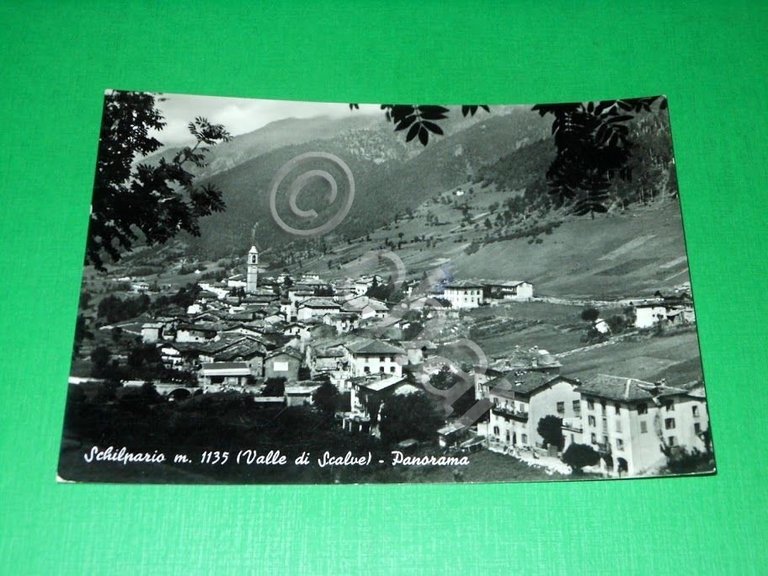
521, 382
374, 347
619, 388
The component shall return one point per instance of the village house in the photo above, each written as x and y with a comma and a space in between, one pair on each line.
343, 322
376, 357
151, 332
464, 294
519, 290
262, 298
283, 363
330, 358
518, 359
365, 307
364, 283
316, 308
367, 396
247, 350
646, 315
632, 422
189, 355
300, 394
216, 376
199, 332
519, 400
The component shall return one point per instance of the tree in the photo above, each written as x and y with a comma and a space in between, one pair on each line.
590, 314
142, 200
419, 119
617, 323
445, 379
325, 398
593, 148
408, 416
100, 358
579, 455
592, 140
550, 428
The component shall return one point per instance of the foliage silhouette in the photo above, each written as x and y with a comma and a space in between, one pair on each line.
141, 200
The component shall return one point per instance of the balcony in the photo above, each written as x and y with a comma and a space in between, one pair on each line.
510, 413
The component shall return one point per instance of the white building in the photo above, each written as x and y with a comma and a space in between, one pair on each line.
633, 423
316, 308
376, 357
464, 294
510, 290
224, 375
520, 399
646, 315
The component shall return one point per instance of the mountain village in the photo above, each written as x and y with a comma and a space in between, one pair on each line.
279, 339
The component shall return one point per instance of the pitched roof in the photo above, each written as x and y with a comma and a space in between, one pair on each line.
246, 348
287, 350
624, 389
380, 384
522, 382
361, 302
319, 303
464, 284
374, 347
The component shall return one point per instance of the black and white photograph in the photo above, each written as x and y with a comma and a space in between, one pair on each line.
285, 292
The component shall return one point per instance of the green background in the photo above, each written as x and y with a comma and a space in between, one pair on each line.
58, 57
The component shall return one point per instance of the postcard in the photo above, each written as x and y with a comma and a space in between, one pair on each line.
280, 292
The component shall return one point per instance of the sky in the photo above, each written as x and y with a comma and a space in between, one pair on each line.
239, 115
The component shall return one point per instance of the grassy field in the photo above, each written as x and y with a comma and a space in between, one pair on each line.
614, 255
675, 357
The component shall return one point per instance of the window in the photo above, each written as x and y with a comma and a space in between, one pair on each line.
697, 427
381, 358
591, 420
643, 427
561, 407
381, 369
695, 411
671, 440
495, 430
590, 405
577, 406
392, 369
617, 408
670, 406
593, 438
669, 423
524, 438
642, 409
619, 445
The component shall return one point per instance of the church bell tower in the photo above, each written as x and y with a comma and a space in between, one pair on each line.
253, 271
